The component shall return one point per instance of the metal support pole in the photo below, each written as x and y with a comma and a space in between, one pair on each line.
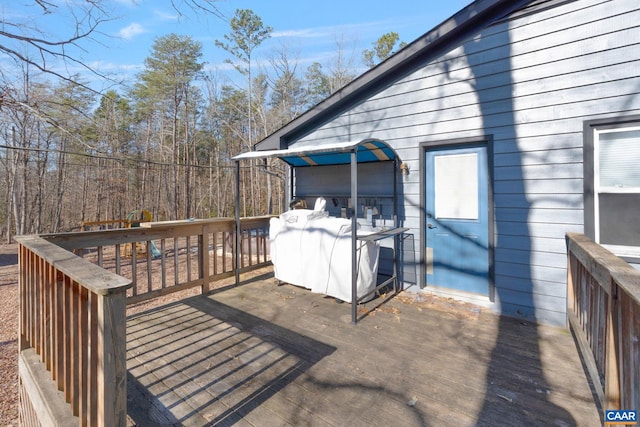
395, 193
291, 185
236, 242
396, 240
354, 235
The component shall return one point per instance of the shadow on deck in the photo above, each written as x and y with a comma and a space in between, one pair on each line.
261, 354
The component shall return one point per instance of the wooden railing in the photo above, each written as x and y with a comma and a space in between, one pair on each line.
604, 312
72, 338
109, 224
72, 361
170, 256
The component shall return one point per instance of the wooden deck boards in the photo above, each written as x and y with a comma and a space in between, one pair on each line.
267, 355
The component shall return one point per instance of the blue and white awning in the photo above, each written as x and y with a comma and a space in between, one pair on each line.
368, 150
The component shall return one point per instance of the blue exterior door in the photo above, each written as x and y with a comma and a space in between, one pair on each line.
457, 219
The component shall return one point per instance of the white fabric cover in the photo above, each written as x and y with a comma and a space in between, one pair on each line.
312, 250
321, 204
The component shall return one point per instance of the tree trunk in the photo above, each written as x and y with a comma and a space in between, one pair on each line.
60, 182
12, 185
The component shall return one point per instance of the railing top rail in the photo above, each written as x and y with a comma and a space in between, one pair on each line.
147, 231
252, 221
91, 276
185, 222
246, 221
604, 265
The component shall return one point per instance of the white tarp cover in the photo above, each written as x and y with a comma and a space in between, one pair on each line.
312, 250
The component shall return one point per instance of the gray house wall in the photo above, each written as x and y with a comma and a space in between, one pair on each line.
527, 84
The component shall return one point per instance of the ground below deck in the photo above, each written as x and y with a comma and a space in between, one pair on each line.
268, 355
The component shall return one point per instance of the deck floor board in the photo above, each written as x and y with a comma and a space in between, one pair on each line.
261, 354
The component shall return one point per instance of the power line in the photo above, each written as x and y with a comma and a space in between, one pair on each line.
118, 159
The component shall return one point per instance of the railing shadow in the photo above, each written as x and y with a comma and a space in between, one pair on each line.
211, 365
8, 259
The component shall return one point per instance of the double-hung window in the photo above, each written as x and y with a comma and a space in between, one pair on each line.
612, 186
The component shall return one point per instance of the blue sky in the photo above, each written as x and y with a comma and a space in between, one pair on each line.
309, 30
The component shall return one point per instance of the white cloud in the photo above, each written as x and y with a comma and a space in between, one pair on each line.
303, 33
111, 67
129, 3
131, 30
325, 31
165, 16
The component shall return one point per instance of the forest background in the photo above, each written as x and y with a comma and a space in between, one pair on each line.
162, 141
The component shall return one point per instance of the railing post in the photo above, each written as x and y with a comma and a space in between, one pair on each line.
112, 367
23, 290
570, 285
612, 371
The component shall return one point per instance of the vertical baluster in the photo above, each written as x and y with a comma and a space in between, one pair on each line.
188, 239
46, 355
163, 265
40, 320
66, 339
83, 349
215, 253
241, 249
93, 360
134, 268
266, 244
225, 239
59, 336
30, 298
149, 267
250, 242
263, 244
118, 259
175, 261
74, 328
51, 321
203, 264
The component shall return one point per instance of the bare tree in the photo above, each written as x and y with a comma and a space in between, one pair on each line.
322, 81
26, 40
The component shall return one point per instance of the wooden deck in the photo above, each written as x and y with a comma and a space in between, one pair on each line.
267, 355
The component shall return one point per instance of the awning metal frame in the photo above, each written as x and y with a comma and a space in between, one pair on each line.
303, 155
352, 153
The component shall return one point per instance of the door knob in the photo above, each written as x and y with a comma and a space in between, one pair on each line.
431, 226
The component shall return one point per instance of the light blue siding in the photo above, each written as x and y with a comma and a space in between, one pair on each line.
529, 84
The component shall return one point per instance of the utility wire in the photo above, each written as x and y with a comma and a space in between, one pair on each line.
119, 159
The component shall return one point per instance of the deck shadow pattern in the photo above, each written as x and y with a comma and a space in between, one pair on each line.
200, 362
263, 354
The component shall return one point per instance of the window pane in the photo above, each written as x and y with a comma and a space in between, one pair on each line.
620, 159
619, 219
456, 186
